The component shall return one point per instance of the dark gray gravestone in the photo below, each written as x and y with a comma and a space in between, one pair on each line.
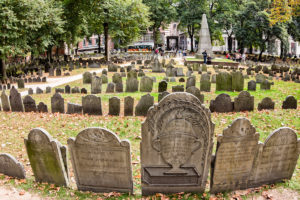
75, 90
237, 81
265, 85
101, 161
114, 106
110, 88
91, 105
51, 72
146, 84
96, 85
277, 158
117, 78
224, 81
290, 102
176, 146
67, 89
57, 103
205, 83
162, 95
73, 108
132, 84
191, 81
5, 102
119, 87
44, 79
87, 77
266, 104
178, 88
83, 91
252, 85
104, 78
221, 104
48, 90
30, 91
59, 90
20, 83
112, 68
162, 86
48, 158
260, 78
235, 155
144, 104
58, 71
244, 102
42, 107
196, 92
9, 166
15, 100
128, 106
39, 91
29, 104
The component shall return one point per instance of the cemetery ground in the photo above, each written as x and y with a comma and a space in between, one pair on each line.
16, 126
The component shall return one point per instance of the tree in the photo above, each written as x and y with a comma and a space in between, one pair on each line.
162, 12
283, 10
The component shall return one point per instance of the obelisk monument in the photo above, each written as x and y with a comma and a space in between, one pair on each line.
204, 39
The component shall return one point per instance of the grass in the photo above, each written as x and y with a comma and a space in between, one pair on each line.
16, 126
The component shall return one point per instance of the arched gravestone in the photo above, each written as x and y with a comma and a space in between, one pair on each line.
11, 167
244, 102
48, 158
266, 104
101, 161
277, 158
177, 141
91, 105
235, 155
221, 104
15, 100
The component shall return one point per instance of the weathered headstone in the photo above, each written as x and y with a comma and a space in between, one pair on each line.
87, 77
237, 81
96, 85
119, 87
29, 104
48, 89
39, 91
146, 84
178, 88
143, 105
224, 81
83, 91
15, 100
104, 79
48, 158
114, 106
162, 95
57, 103
67, 89
266, 104
58, 71
290, 102
191, 81
176, 146
162, 86
260, 78
73, 108
101, 161
196, 92
252, 85
128, 106
42, 107
20, 83
244, 102
205, 83
91, 105
117, 78
5, 102
265, 85
132, 84
30, 91
221, 104
110, 88
9, 166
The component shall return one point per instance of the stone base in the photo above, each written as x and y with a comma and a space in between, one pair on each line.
151, 190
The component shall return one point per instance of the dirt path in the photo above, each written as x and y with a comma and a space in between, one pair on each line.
10, 193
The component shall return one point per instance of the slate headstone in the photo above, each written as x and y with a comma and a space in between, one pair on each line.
244, 102
5, 102
15, 100
91, 105
252, 85
114, 106
290, 102
57, 103
73, 108
96, 85
9, 166
146, 84
42, 107
221, 104
128, 106
196, 92
162, 86
266, 104
143, 105
205, 83
29, 104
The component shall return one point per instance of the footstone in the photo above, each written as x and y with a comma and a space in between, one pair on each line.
110, 88
91, 105
196, 92
221, 104
128, 106
9, 166
87, 78
96, 85
108, 159
266, 104
146, 84
15, 100
42, 107
73, 108
252, 85
114, 106
48, 158
290, 102
29, 104
57, 103
205, 83
176, 146
143, 105
5, 102
162, 86
244, 102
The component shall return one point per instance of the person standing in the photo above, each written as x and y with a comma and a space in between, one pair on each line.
204, 56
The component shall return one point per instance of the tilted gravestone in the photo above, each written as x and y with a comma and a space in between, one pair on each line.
191, 81
9, 166
146, 84
290, 102
91, 105
101, 161
221, 104
48, 158
205, 83
57, 103
237, 81
114, 106
87, 77
73, 108
224, 81
244, 102
162, 95
128, 106
96, 85
176, 146
110, 88
196, 92
162, 86
143, 105
266, 104
235, 155
5, 102
252, 85
29, 104
15, 100
42, 107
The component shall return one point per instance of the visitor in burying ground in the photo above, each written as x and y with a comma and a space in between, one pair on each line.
204, 56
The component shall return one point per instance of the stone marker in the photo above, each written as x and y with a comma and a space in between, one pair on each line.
205, 83
39, 91
119, 87
265, 85
221, 104
128, 106
58, 71
196, 92
48, 89
101, 161
51, 72
5, 102
143, 105
235, 155
237, 81
57, 103
244, 102
266, 104
75, 90
132, 84
48, 158
290, 102
91, 105
162, 95
73, 108
67, 89
110, 88
9, 166
114, 106
96, 85
20, 83
224, 82
146, 84
117, 78
30, 91
252, 85
87, 77
260, 78
104, 79
178, 88
59, 90
191, 81
176, 146
15, 100
162, 86
83, 91
29, 104
42, 107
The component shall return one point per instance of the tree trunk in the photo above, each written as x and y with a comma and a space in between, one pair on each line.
261, 52
99, 43
76, 50
192, 43
251, 49
49, 54
230, 44
105, 25
154, 38
2, 69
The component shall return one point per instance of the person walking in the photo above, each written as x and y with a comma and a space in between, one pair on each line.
204, 56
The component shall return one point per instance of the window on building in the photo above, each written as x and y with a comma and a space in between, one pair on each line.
90, 42
97, 41
84, 43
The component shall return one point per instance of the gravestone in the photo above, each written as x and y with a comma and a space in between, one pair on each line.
191, 81
146, 84
162, 86
173, 79
181, 80
260, 78
29, 104
132, 84
205, 83
58, 71
9, 166
114, 106
83, 91
104, 79
221, 104
59, 90
112, 68
214, 78
265, 85
42, 107
266, 104
244, 102
119, 87
101, 161
252, 85
128, 106
39, 91
104, 72
196, 92
20, 83
87, 77
143, 105
15, 100
156, 66
237, 81
91, 105
30, 91
44, 79
57, 103
5, 102
48, 158
176, 146
235, 155
110, 88
178, 88
48, 90
290, 102
75, 90
51, 72
162, 95
73, 108
67, 89
224, 82
179, 72
117, 78
96, 85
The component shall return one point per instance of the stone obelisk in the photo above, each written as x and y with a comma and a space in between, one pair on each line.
204, 39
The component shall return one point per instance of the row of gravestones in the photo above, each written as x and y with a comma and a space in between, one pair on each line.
176, 154
21, 82
245, 102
